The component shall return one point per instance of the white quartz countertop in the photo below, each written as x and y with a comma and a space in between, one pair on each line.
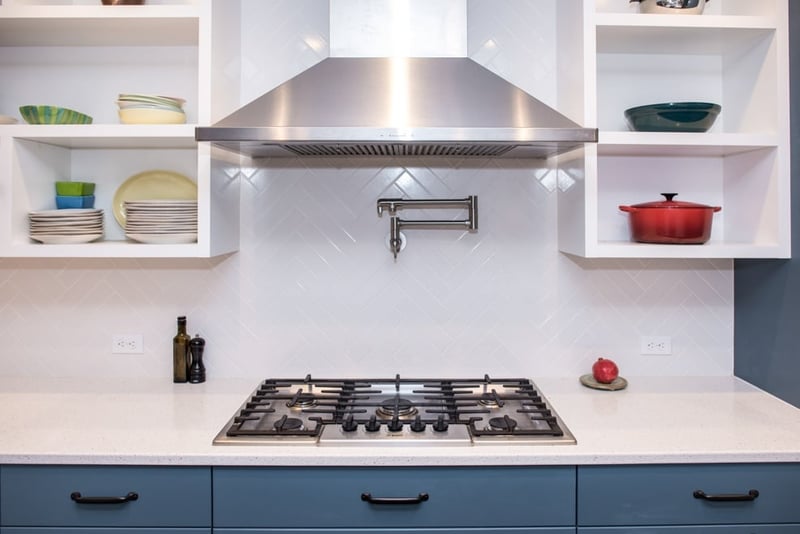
153, 422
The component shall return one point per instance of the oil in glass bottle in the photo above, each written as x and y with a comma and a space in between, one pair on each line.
180, 353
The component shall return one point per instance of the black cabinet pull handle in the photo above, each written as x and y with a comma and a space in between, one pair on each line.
729, 497
78, 498
422, 497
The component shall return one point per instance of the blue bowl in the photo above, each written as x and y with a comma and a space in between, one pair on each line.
673, 117
67, 202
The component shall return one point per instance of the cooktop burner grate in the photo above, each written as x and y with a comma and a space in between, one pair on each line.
396, 410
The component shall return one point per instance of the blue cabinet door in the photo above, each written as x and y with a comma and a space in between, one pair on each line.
468, 497
95, 530
43, 496
666, 495
695, 529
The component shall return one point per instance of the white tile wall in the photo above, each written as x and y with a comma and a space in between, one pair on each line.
314, 289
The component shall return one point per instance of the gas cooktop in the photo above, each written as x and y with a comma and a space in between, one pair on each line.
400, 411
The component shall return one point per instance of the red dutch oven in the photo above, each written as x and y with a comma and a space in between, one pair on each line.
670, 221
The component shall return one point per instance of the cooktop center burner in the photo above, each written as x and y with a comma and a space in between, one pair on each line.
396, 407
302, 400
491, 400
395, 411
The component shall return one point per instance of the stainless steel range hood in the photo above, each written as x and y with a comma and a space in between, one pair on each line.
397, 107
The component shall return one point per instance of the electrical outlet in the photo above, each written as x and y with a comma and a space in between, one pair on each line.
127, 344
655, 345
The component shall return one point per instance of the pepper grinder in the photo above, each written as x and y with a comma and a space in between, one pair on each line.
197, 372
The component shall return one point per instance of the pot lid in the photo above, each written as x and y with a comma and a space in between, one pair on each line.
671, 204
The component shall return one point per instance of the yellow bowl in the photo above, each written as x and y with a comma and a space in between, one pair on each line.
151, 116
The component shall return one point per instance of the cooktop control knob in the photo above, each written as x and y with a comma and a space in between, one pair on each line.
395, 425
349, 424
417, 425
440, 425
372, 425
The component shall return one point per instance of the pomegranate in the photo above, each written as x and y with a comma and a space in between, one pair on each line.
605, 371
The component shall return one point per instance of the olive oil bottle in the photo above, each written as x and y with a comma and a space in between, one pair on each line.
180, 353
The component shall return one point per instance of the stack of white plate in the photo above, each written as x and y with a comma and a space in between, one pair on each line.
66, 225
161, 221
150, 109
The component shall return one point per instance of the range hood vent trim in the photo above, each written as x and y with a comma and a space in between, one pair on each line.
397, 107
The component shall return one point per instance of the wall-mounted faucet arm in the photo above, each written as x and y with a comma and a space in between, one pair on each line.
393, 205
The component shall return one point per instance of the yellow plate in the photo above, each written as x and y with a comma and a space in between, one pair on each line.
152, 185
590, 382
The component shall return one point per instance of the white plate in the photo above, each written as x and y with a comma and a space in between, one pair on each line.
64, 231
66, 239
150, 185
160, 225
161, 202
160, 222
72, 212
60, 229
163, 239
66, 224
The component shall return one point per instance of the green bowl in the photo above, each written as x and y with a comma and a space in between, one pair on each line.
53, 115
74, 189
673, 117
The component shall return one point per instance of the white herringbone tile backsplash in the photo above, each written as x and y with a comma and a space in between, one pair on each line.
314, 289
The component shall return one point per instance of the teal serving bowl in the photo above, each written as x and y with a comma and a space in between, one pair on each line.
74, 189
673, 117
53, 115
66, 202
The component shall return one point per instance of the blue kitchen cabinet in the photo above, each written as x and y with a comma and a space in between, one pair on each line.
695, 529
710, 498
429, 500
38, 499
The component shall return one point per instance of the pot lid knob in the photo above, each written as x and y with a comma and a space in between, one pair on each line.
669, 196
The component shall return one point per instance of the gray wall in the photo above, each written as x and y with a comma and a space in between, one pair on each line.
767, 292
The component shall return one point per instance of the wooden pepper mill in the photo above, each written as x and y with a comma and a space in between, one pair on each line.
197, 371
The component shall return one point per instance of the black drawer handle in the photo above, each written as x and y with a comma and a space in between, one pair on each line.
78, 498
729, 497
422, 497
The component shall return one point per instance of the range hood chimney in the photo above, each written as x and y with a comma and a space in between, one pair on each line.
444, 105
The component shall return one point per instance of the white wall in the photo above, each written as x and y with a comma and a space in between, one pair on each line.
314, 289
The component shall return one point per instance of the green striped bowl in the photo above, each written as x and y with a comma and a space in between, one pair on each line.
52, 115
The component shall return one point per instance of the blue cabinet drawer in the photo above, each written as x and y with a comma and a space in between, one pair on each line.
665, 494
100, 530
310, 498
166, 496
694, 529
532, 530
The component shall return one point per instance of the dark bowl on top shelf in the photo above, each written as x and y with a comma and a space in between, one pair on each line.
673, 117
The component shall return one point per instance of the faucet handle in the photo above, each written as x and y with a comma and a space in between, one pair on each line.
389, 204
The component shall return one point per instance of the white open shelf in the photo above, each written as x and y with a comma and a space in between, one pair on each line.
735, 55
82, 56
39, 25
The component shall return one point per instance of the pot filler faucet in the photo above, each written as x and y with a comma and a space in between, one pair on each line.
393, 205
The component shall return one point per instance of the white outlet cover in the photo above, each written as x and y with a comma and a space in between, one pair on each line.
655, 345
127, 344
